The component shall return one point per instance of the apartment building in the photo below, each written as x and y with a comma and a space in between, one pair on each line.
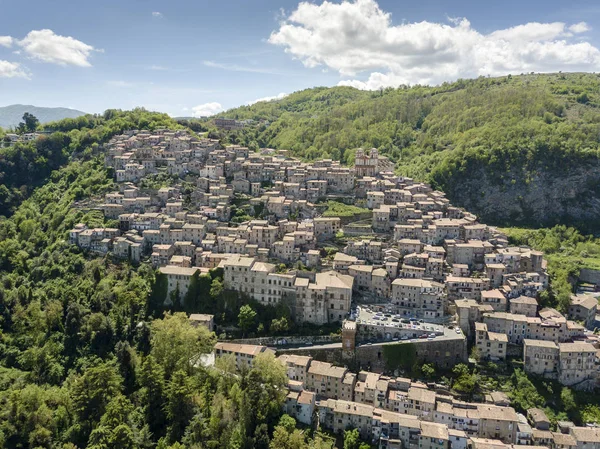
325, 379
572, 364
419, 297
466, 287
491, 345
178, 281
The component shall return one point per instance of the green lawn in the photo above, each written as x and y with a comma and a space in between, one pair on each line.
337, 209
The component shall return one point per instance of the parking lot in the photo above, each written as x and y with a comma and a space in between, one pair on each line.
388, 327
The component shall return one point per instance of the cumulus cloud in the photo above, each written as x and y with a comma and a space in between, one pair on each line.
271, 98
357, 37
12, 70
46, 46
158, 15
580, 27
6, 41
207, 109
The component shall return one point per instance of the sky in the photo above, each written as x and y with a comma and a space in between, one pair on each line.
197, 57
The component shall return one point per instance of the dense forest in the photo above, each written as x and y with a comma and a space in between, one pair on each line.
516, 149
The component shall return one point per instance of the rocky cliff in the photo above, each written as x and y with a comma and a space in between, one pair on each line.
543, 198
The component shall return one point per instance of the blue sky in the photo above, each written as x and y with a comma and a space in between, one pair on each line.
197, 57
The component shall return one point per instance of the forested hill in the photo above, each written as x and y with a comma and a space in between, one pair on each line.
28, 165
515, 150
10, 116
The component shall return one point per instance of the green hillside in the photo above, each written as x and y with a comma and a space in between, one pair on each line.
27, 165
494, 145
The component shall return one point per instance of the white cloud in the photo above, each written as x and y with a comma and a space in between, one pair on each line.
6, 41
274, 97
47, 46
357, 37
207, 109
120, 83
158, 15
239, 68
12, 70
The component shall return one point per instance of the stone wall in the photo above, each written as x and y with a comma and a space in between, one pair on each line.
388, 357
331, 355
590, 276
296, 340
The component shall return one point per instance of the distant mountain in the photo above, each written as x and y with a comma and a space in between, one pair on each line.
12, 115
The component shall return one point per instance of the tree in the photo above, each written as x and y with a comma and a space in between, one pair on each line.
265, 394
246, 318
216, 288
286, 436
475, 353
152, 384
179, 407
428, 370
279, 325
177, 344
94, 390
351, 439
126, 359
29, 123
465, 382
568, 399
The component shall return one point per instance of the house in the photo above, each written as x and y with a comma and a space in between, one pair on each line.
583, 308
491, 345
203, 319
538, 419
244, 354
524, 305
296, 366
178, 281
325, 379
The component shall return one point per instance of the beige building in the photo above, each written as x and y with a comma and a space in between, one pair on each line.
524, 305
419, 297
572, 364
577, 365
583, 308
244, 354
325, 379
491, 345
499, 423
297, 366
466, 287
203, 319
178, 279
540, 357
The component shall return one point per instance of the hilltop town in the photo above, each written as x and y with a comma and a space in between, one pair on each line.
400, 271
